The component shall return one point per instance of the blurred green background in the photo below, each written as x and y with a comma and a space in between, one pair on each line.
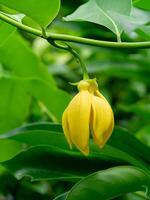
123, 76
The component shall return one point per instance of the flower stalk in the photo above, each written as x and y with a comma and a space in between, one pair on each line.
74, 53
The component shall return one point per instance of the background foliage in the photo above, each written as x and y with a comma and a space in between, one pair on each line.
36, 162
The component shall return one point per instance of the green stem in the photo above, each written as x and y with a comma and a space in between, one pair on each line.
20, 25
74, 53
43, 32
69, 38
98, 43
118, 38
83, 66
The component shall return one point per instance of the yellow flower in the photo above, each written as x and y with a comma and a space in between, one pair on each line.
88, 112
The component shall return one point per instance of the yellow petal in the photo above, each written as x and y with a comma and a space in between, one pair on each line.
78, 120
102, 120
108, 133
66, 128
97, 93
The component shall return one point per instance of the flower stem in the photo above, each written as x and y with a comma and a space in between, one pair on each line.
82, 64
74, 53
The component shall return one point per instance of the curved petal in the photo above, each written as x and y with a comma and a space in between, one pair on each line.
97, 93
102, 122
66, 128
78, 120
108, 133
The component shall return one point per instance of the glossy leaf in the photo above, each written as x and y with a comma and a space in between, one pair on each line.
109, 184
42, 12
51, 148
127, 142
55, 163
43, 133
100, 13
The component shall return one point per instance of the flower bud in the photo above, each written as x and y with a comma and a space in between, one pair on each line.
88, 112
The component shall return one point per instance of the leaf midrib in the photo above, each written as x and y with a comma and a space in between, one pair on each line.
112, 21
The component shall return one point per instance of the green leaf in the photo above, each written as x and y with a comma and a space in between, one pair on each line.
32, 75
14, 104
46, 96
21, 61
128, 143
43, 133
134, 196
42, 12
61, 197
144, 4
109, 184
55, 163
50, 147
13, 53
51, 98
144, 135
144, 32
130, 196
9, 149
100, 13
6, 31
136, 19
16, 17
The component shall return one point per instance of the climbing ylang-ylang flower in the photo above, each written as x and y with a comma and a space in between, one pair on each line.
88, 112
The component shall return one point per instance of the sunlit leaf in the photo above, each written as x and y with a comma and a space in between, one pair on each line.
42, 12
100, 13
137, 18
21, 61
